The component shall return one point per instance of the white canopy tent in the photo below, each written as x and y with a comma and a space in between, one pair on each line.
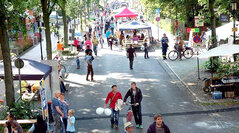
222, 50
224, 31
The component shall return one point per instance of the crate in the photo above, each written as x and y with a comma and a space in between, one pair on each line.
229, 94
217, 95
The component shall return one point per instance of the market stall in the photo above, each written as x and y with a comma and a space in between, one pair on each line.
126, 13
226, 83
32, 74
138, 28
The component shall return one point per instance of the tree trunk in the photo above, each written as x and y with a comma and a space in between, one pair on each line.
8, 78
47, 28
213, 23
65, 26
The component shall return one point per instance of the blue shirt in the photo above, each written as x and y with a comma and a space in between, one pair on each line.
71, 128
108, 34
164, 41
89, 59
64, 108
55, 102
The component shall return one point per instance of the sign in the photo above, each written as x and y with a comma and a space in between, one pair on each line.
157, 19
224, 18
43, 101
196, 30
199, 21
234, 29
157, 11
196, 39
19, 63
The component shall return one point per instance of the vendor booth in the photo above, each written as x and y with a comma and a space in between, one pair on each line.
33, 74
126, 13
226, 83
138, 28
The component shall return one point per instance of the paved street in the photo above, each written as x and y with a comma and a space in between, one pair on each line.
161, 94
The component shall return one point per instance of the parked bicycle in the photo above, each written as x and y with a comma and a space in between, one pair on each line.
174, 54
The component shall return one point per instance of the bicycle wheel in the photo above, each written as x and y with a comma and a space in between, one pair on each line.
188, 53
173, 55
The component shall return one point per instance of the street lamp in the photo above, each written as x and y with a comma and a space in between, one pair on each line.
234, 8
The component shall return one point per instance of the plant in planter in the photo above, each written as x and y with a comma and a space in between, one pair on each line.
228, 69
212, 66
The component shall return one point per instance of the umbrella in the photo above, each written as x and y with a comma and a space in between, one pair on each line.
222, 50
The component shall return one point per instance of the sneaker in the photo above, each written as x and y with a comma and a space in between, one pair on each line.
141, 126
137, 126
116, 127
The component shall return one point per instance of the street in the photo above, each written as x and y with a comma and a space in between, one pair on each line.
161, 94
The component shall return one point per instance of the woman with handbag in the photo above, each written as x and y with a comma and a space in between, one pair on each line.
113, 96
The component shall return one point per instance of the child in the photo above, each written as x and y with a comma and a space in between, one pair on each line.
101, 41
78, 62
71, 122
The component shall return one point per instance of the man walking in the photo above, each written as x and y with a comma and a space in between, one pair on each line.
56, 113
59, 50
131, 53
89, 59
136, 97
113, 96
164, 41
95, 42
158, 126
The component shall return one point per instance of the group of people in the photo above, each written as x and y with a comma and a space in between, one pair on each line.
64, 120
136, 97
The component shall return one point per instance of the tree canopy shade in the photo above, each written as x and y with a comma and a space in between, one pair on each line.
126, 13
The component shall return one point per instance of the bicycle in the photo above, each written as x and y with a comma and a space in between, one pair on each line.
174, 54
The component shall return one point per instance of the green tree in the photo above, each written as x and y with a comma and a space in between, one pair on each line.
9, 10
47, 7
62, 5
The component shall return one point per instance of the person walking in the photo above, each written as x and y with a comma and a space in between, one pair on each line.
158, 126
131, 53
136, 97
89, 59
102, 42
146, 53
71, 122
112, 26
77, 62
111, 40
16, 127
129, 127
64, 107
95, 42
57, 113
108, 33
88, 43
113, 96
164, 41
39, 127
121, 39
60, 48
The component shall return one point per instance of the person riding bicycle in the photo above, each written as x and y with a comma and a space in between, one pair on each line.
179, 46
136, 97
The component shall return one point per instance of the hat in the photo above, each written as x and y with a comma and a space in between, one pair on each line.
127, 125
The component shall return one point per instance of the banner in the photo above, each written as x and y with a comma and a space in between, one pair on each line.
43, 100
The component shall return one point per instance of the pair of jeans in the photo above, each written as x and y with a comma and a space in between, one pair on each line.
146, 53
131, 60
95, 49
137, 114
65, 124
114, 117
57, 124
90, 71
164, 50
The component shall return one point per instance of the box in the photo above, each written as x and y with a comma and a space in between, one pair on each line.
217, 95
229, 94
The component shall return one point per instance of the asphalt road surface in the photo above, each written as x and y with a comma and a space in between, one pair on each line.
161, 94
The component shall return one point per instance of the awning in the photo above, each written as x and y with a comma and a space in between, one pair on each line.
134, 26
126, 13
32, 70
222, 50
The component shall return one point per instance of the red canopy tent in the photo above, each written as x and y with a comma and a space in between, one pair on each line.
126, 13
